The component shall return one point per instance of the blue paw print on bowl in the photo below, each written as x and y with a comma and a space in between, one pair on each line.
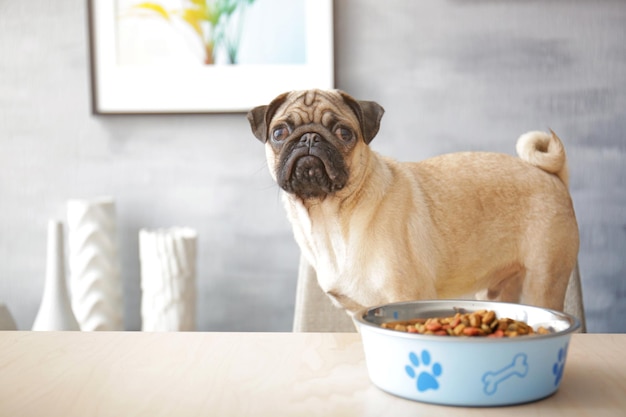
559, 366
421, 370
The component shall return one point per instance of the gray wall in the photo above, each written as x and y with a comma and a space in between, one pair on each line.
464, 75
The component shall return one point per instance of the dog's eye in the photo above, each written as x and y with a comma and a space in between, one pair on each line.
280, 133
343, 133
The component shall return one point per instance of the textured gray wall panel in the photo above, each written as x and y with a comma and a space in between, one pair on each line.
453, 76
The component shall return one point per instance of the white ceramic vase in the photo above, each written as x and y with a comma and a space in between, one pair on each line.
95, 280
55, 311
168, 279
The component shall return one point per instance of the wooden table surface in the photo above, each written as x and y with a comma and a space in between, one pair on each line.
255, 374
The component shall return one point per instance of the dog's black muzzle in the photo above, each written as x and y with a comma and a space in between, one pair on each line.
310, 165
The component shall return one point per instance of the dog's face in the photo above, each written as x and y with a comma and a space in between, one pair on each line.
314, 139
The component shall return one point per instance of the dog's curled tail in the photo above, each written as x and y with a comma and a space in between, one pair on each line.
545, 151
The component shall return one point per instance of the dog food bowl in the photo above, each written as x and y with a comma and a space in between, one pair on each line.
460, 370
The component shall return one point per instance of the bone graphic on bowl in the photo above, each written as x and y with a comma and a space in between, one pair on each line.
518, 367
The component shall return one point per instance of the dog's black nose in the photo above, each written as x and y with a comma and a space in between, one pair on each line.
310, 138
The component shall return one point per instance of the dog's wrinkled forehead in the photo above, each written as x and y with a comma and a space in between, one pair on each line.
315, 106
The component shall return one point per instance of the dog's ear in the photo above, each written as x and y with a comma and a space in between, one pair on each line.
260, 117
369, 114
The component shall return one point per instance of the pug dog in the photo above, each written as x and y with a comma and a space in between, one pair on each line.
468, 224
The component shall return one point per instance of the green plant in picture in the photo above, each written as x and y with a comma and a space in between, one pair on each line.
217, 23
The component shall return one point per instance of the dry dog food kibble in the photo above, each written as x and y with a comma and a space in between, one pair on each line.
477, 323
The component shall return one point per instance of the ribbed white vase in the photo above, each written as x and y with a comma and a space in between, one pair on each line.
55, 310
95, 280
168, 279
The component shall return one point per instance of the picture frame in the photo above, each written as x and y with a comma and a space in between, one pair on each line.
140, 64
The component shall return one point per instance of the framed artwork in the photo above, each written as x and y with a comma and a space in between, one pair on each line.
203, 56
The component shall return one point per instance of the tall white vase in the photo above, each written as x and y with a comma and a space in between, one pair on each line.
168, 279
94, 264
55, 311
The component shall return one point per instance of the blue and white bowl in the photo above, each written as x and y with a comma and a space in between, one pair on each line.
465, 371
